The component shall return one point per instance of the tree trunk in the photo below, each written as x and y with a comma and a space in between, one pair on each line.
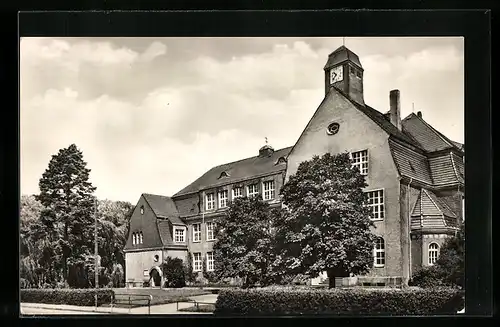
331, 278
65, 268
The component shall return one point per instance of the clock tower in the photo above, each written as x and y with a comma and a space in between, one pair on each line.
344, 72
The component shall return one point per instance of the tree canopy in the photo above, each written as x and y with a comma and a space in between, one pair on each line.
57, 228
325, 224
243, 241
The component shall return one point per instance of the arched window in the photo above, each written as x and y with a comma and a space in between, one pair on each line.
140, 238
142, 210
433, 253
379, 253
134, 240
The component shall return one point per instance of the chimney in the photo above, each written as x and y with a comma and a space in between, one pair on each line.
419, 114
395, 111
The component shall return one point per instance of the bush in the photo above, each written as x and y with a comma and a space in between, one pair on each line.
305, 301
174, 272
428, 277
83, 297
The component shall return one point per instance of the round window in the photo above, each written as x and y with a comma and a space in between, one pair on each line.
333, 128
157, 258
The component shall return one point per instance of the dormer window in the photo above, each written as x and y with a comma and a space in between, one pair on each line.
223, 175
281, 160
179, 234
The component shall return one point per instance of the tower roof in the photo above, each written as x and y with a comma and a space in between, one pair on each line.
340, 55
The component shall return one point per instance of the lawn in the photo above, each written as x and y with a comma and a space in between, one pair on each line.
200, 308
160, 296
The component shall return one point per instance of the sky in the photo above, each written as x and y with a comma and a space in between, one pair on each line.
153, 114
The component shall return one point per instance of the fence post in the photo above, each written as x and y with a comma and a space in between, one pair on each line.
129, 305
149, 304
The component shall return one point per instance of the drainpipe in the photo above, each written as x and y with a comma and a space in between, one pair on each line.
409, 227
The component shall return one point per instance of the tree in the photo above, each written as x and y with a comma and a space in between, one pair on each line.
449, 269
325, 225
173, 271
243, 242
189, 274
451, 259
67, 195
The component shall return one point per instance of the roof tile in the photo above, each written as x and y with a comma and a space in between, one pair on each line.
442, 170
410, 163
428, 137
163, 206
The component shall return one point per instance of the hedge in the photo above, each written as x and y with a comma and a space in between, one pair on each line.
83, 297
289, 301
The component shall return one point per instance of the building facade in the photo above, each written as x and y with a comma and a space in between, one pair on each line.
415, 178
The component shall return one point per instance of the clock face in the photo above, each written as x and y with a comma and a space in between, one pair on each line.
336, 74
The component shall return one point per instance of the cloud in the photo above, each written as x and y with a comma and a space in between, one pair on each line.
151, 122
36, 51
154, 50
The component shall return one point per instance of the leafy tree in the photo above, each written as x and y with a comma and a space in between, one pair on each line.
449, 269
173, 271
451, 259
31, 209
66, 194
189, 274
243, 242
209, 276
325, 225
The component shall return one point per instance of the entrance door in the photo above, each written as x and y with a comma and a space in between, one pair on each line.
155, 277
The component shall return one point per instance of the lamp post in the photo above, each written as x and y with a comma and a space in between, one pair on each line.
96, 266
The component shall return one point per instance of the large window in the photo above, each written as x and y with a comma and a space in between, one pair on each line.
252, 190
137, 238
223, 199
210, 231
237, 192
196, 232
360, 160
379, 253
269, 190
179, 235
376, 203
197, 264
210, 201
210, 261
433, 253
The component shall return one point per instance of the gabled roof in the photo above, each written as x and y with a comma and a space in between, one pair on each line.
446, 169
238, 171
163, 207
410, 163
383, 121
427, 136
431, 211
